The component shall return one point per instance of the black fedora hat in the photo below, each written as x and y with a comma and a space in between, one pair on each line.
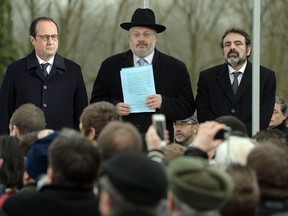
143, 17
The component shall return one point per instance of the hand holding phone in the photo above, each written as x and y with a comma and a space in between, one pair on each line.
223, 134
159, 122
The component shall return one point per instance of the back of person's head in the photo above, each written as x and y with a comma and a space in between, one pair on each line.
237, 126
196, 186
117, 137
246, 194
27, 118
233, 150
12, 168
73, 160
26, 142
132, 182
173, 151
271, 164
96, 116
274, 137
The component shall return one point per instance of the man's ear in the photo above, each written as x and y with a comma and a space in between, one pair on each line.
92, 134
195, 128
14, 131
249, 50
105, 204
50, 175
32, 39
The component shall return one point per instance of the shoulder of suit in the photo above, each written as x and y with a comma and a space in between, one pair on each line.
265, 69
119, 57
167, 58
62, 62
213, 70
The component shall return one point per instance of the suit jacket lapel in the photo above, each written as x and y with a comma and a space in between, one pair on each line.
246, 81
225, 83
156, 58
33, 66
128, 59
57, 67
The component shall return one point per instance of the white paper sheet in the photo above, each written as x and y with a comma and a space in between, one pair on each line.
137, 84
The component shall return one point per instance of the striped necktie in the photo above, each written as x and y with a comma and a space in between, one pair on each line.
235, 83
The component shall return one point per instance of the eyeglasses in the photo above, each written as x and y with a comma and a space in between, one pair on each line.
181, 124
54, 37
145, 35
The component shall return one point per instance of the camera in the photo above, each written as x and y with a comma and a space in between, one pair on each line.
223, 133
159, 122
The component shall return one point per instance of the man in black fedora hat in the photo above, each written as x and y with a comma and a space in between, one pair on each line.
174, 96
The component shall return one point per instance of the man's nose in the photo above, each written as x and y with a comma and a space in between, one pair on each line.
50, 39
232, 46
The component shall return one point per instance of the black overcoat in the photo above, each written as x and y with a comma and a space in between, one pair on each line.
62, 95
215, 96
53, 200
172, 81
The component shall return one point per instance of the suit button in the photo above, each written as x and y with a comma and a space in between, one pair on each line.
233, 111
45, 87
44, 105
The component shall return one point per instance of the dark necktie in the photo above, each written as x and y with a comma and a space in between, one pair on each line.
235, 83
44, 69
141, 61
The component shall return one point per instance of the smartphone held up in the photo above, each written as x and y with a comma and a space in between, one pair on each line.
159, 122
223, 134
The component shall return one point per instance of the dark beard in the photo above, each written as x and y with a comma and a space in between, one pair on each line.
234, 62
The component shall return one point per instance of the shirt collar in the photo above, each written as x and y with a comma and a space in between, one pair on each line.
148, 58
42, 61
242, 69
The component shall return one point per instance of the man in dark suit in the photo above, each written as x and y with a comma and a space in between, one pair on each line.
220, 92
57, 87
173, 98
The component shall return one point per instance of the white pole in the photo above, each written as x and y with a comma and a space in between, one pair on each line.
146, 4
256, 67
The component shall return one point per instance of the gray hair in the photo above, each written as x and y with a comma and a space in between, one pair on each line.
234, 150
283, 105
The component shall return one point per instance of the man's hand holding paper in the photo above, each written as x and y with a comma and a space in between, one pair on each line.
139, 89
154, 101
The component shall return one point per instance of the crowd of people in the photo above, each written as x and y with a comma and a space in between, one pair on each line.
61, 156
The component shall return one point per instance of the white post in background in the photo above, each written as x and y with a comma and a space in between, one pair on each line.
146, 3
256, 67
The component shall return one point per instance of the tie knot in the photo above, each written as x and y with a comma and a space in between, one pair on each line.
236, 74
141, 61
44, 66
